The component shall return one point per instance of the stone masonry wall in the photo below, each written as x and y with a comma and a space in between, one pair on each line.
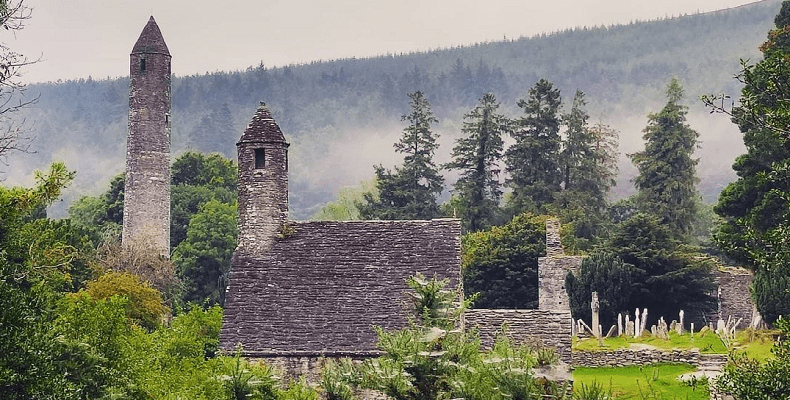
263, 196
733, 295
552, 270
551, 327
147, 191
629, 357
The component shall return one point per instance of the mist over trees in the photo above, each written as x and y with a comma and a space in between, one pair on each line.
357, 102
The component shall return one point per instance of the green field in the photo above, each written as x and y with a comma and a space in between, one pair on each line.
756, 344
649, 382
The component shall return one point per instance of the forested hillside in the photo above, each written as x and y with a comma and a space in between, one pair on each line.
343, 116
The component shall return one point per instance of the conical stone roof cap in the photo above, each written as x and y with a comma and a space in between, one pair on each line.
263, 128
151, 40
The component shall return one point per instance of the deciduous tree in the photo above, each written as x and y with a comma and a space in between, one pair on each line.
501, 264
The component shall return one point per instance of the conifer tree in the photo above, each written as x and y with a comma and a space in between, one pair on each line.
756, 207
589, 165
533, 160
410, 192
667, 177
477, 155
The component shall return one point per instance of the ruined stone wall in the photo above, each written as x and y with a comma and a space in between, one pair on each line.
146, 214
552, 270
551, 327
630, 357
734, 298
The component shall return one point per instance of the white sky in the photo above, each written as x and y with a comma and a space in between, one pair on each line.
78, 38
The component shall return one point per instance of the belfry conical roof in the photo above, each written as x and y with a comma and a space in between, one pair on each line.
262, 128
151, 40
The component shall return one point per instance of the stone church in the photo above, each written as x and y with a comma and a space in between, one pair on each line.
303, 291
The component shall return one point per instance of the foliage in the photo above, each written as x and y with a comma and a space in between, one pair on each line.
204, 257
409, 192
756, 207
667, 277
667, 177
771, 285
344, 208
28, 356
592, 391
477, 156
246, 381
589, 165
195, 179
33, 266
608, 275
94, 334
141, 258
105, 212
13, 132
501, 264
748, 379
533, 160
144, 306
635, 382
433, 359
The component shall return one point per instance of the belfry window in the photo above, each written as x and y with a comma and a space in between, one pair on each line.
260, 158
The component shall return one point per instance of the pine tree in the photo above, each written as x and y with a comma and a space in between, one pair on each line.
589, 165
410, 192
756, 207
533, 160
477, 156
667, 177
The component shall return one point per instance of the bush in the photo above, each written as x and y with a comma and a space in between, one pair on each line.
144, 308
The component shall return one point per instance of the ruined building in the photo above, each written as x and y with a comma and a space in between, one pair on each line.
146, 211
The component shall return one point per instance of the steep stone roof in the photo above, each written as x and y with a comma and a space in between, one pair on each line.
262, 128
151, 40
321, 289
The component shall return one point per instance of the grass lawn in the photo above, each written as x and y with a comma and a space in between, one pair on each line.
756, 344
649, 382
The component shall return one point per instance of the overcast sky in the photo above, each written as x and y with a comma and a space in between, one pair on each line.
81, 38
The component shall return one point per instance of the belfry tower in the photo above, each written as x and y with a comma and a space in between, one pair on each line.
146, 211
263, 183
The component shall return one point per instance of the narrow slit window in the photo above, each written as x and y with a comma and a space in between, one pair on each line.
142, 65
260, 158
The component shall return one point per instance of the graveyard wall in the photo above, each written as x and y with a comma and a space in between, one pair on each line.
632, 357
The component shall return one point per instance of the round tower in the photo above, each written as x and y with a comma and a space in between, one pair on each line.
263, 183
146, 212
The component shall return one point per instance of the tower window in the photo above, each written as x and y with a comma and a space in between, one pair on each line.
142, 65
260, 158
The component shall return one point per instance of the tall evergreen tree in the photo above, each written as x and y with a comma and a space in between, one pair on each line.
410, 192
589, 164
667, 177
477, 156
533, 160
756, 207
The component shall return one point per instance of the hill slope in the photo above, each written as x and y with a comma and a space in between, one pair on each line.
342, 116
